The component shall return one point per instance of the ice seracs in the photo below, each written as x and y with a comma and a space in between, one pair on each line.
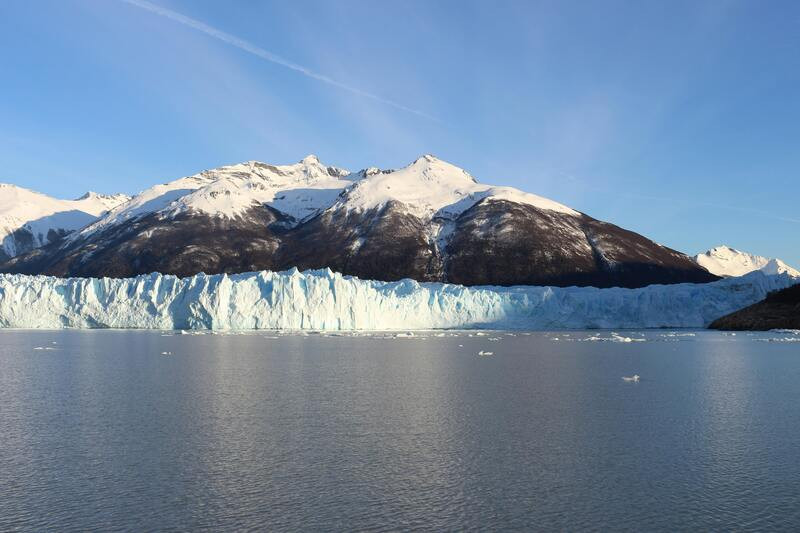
324, 300
727, 261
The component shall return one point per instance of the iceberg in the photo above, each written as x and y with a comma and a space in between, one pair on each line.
324, 300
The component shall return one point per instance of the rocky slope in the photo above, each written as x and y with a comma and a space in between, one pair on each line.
29, 219
727, 261
430, 221
779, 310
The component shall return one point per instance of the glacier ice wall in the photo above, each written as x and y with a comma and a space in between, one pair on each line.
323, 300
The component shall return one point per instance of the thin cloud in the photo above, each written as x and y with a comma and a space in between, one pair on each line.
689, 204
267, 55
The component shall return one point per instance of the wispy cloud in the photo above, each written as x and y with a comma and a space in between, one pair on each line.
686, 204
267, 55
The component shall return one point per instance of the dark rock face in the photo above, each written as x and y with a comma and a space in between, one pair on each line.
386, 244
184, 245
504, 243
494, 242
779, 310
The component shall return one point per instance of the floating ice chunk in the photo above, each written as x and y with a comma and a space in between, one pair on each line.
615, 337
482, 353
634, 378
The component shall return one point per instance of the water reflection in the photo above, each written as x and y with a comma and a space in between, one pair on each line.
314, 432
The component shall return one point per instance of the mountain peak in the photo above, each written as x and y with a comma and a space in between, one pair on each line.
89, 195
724, 260
426, 158
431, 187
432, 168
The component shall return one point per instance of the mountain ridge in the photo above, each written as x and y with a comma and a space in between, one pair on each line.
30, 219
726, 261
429, 221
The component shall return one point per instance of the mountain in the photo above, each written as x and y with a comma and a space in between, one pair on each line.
779, 310
29, 219
429, 221
727, 261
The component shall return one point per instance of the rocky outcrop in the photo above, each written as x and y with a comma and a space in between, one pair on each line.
779, 310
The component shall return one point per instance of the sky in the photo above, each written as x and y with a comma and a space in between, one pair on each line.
679, 120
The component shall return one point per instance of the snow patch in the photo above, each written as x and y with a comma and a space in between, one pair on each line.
431, 187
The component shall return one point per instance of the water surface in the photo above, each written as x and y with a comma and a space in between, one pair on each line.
103, 430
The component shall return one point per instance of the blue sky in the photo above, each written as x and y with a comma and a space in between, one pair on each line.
679, 120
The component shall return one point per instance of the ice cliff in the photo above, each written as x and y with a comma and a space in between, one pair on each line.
323, 300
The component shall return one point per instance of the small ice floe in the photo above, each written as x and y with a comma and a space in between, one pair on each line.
166, 353
460, 345
780, 339
482, 353
404, 335
615, 337
631, 379
493, 339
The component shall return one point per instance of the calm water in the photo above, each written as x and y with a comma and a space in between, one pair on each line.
99, 430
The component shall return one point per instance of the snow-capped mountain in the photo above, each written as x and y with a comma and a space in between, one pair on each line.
29, 219
297, 190
430, 221
727, 261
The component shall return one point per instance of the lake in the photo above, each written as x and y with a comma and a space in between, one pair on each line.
142, 430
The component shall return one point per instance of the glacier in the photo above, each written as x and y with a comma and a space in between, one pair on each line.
324, 300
